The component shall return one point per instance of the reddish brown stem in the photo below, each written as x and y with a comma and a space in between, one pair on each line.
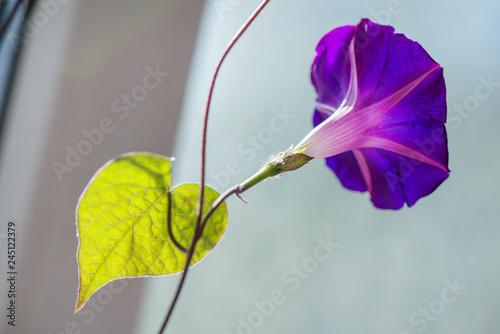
199, 226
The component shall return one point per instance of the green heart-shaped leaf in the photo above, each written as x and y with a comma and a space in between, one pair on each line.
123, 219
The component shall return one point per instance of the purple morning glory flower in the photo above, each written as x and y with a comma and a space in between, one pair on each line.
380, 114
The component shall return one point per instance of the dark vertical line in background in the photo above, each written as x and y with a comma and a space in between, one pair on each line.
9, 16
10, 49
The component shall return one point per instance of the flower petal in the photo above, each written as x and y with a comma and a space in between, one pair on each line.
386, 61
348, 171
393, 180
331, 68
398, 180
417, 121
337, 135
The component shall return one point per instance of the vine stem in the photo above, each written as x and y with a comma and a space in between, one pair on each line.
235, 190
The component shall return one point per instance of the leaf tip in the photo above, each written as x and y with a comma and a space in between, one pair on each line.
79, 304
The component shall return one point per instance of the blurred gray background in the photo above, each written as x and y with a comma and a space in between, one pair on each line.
430, 269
